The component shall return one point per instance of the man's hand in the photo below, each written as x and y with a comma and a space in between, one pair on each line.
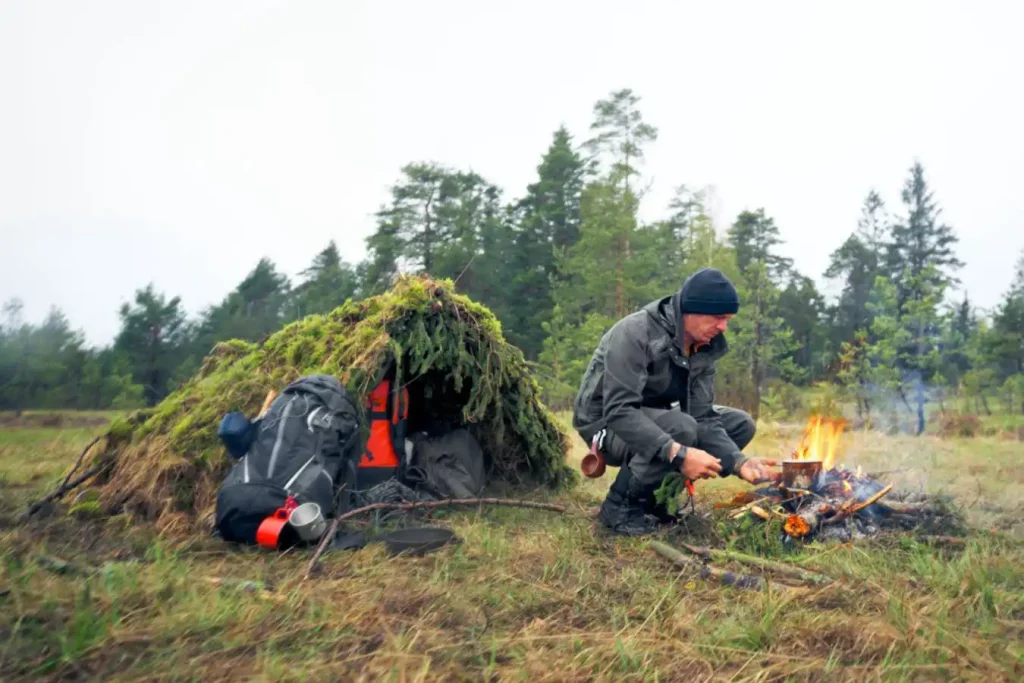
759, 470
698, 464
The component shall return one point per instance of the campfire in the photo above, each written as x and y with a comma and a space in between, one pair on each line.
818, 498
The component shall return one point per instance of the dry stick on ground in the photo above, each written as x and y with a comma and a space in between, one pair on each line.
428, 505
81, 457
62, 489
761, 563
706, 571
854, 509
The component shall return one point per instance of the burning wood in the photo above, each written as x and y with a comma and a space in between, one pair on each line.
826, 499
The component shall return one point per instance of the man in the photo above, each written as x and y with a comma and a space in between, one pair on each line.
647, 402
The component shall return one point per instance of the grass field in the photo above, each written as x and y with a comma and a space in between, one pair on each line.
528, 595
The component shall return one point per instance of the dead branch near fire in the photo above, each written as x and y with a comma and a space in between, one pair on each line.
850, 510
329, 536
723, 576
780, 568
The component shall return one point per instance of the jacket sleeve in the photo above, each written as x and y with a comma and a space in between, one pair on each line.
625, 375
711, 435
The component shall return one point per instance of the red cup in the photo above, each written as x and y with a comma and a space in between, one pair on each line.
269, 531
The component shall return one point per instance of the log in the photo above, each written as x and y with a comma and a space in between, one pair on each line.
329, 536
706, 571
761, 563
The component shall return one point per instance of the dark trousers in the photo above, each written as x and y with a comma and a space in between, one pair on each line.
683, 429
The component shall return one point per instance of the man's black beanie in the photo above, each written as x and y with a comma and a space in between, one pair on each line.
708, 291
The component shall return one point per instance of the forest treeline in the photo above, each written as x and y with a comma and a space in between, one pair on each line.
561, 263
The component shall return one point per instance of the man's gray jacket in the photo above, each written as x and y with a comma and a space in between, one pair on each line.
640, 363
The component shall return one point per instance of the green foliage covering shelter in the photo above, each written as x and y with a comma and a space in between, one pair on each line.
448, 351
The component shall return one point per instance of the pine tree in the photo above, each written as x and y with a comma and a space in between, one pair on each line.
1005, 344
151, 340
328, 283
802, 309
922, 264
621, 133
545, 224
755, 237
760, 335
256, 308
921, 243
858, 262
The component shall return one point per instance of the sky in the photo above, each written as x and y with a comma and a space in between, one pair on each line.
179, 142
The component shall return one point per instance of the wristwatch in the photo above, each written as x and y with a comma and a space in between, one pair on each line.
677, 461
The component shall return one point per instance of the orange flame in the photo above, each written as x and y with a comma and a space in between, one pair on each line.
820, 440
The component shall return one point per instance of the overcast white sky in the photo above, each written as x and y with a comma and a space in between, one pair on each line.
179, 142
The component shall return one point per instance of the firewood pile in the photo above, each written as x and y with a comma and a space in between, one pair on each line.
815, 499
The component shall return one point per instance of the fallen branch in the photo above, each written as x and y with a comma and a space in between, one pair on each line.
752, 504
870, 501
707, 571
81, 457
903, 508
761, 563
847, 512
765, 514
329, 536
63, 489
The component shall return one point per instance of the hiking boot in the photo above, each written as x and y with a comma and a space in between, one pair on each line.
655, 510
622, 513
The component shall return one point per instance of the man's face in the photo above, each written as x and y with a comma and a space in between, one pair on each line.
703, 328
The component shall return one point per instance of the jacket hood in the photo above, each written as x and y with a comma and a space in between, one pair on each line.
665, 313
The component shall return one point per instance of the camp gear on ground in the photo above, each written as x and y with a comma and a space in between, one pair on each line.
270, 530
237, 433
450, 465
392, 491
418, 541
308, 521
383, 457
305, 447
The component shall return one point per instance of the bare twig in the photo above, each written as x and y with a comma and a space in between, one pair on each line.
847, 512
62, 489
81, 457
870, 501
326, 540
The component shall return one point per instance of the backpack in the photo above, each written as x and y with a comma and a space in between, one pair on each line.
302, 449
384, 455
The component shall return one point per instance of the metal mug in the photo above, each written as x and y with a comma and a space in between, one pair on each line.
308, 521
800, 474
